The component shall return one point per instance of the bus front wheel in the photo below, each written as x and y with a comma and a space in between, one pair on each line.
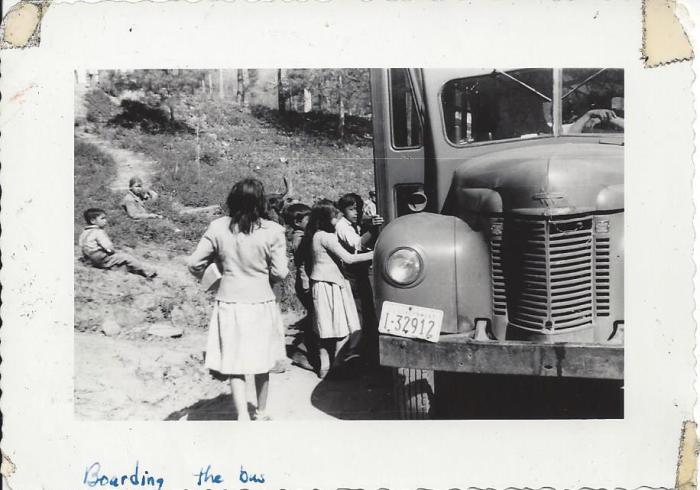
414, 393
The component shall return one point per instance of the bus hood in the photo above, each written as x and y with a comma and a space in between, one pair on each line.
546, 179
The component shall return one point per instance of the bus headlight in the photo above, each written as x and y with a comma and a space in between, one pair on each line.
403, 266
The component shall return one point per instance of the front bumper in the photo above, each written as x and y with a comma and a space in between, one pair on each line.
460, 353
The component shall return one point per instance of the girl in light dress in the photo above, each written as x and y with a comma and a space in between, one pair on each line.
335, 316
246, 332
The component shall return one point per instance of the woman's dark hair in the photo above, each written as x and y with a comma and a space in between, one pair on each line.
296, 212
246, 204
320, 219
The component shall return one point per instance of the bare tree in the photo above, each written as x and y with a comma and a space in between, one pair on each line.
240, 92
341, 106
281, 90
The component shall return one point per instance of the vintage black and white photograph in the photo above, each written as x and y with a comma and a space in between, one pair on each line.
353, 244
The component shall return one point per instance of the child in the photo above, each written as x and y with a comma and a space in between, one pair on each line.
369, 208
335, 315
98, 250
297, 217
347, 230
134, 201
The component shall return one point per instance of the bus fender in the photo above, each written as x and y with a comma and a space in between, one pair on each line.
455, 269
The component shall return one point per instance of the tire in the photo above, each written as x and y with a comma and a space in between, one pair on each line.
414, 393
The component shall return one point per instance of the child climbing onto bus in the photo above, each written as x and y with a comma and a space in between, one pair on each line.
348, 232
335, 315
97, 248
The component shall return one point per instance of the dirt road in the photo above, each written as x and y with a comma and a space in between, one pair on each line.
165, 379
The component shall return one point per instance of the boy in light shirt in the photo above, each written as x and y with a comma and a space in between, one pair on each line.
348, 233
97, 248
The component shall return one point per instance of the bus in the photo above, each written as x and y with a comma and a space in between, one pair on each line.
501, 262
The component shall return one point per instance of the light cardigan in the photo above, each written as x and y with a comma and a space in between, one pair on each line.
326, 250
249, 261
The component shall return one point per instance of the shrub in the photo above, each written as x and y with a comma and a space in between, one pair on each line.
358, 130
150, 119
100, 108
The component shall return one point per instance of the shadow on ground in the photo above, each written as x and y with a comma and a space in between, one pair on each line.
298, 339
364, 396
218, 408
359, 395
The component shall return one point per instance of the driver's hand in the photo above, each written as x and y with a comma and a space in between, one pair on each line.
602, 114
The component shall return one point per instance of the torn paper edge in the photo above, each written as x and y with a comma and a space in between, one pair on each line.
21, 26
664, 38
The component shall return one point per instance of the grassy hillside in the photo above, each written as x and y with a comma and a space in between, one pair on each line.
232, 145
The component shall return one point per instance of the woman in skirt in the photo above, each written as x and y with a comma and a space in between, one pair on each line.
246, 334
335, 315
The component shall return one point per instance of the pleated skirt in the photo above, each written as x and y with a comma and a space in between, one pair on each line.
245, 338
335, 314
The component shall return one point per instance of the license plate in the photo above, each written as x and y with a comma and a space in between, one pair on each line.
410, 321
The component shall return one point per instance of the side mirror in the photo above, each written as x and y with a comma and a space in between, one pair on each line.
417, 201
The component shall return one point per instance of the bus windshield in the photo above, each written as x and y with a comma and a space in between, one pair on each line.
518, 104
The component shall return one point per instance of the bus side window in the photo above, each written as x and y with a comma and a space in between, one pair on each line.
405, 125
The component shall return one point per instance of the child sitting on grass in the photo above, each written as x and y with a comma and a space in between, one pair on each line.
134, 201
97, 248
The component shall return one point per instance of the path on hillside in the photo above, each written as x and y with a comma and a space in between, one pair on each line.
129, 164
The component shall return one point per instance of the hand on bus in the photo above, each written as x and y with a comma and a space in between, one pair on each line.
377, 220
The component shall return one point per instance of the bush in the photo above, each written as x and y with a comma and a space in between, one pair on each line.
150, 119
358, 130
100, 108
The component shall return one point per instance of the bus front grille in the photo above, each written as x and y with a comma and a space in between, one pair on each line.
497, 278
548, 272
